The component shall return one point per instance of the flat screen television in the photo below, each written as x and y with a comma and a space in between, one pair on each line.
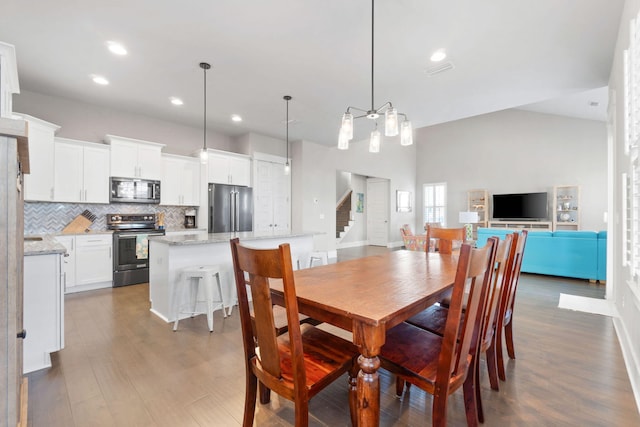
520, 206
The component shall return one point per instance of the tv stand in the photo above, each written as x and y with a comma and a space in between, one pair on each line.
522, 225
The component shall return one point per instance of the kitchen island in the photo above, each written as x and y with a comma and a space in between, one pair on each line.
169, 254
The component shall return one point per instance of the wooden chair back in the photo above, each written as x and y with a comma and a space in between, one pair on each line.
445, 237
262, 265
509, 296
475, 268
497, 289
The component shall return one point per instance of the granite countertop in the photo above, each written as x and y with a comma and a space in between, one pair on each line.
195, 239
46, 246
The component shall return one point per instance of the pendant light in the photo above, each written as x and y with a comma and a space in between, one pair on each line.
391, 123
203, 154
287, 167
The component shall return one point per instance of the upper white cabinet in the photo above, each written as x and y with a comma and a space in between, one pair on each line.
229, 168
133, 158
180, 181
81, 172
38, 184
272, 197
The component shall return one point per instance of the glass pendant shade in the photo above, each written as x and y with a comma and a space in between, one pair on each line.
343, 141
391, 122
287, 168
347, 125
204, 156
406, 133
374, 142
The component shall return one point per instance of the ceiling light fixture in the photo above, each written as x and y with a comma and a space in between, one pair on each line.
390, 116
99, 80
236, 118
438, 55
287, 166
176, 101
203, 154
116, 48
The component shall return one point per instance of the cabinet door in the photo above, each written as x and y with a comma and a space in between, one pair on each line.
190, 182
96, 174
38, 184
68, 261
240, 171
124, 159
149, 162
218, 169
94, 262
170, 188
68, 173
272, 198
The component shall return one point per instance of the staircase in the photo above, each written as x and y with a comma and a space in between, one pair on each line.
343, 215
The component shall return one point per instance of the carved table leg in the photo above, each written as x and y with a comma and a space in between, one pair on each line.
368, 391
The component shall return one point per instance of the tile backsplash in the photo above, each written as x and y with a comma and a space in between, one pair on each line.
45, 218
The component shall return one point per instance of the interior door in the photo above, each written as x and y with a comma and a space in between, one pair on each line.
377, 211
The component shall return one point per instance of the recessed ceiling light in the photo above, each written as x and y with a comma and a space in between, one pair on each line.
99, 80
116, 48
176, 101
236, 118
438, 55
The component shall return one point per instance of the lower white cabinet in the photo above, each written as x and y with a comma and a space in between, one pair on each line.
43, 310
90, 262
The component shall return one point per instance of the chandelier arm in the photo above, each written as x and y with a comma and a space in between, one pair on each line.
403, 115
356, 108
387, 105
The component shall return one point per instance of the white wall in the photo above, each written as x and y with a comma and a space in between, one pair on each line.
88, 122
314, 177
515, 151
620, 286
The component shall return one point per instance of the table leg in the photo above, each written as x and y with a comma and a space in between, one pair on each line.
369, 339
368, 387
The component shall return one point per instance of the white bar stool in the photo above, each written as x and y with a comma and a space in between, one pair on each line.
321, 257
189, 283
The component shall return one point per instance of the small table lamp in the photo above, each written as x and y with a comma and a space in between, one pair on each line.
468, 219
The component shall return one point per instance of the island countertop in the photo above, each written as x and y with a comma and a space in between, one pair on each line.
199, 239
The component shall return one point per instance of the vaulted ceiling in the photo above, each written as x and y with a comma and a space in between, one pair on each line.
504, 53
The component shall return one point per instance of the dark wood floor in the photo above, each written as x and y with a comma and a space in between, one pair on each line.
123, 366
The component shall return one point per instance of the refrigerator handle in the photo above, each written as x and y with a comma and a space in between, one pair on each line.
232, 213
237, 202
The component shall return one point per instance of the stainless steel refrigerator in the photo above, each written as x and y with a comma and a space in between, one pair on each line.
230, 208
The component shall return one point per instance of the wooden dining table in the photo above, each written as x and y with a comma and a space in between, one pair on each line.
367, 296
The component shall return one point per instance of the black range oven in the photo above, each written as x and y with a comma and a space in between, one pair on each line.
131, 246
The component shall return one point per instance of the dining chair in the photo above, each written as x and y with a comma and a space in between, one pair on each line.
505, 315
440, 365
434, 318
446, 237
298, 364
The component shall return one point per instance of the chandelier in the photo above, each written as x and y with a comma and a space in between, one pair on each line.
391, 123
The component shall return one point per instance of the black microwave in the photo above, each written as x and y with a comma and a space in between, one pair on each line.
131, 190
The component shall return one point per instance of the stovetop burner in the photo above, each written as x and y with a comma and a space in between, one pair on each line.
131, 221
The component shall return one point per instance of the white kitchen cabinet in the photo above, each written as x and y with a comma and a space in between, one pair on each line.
43, 310
90, 261
38, 184
81, 172
68, 261
228, 168
272, 198
133, 158
180, 181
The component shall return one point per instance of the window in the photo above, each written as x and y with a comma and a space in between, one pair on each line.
435, 203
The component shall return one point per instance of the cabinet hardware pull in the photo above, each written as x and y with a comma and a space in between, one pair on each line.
22, 334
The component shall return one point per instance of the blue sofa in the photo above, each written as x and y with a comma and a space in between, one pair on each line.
578, 254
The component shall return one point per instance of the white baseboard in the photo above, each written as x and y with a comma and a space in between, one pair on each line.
630, 357
352, 244
392, 245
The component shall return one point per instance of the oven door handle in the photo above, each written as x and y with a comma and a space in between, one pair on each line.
137, 234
